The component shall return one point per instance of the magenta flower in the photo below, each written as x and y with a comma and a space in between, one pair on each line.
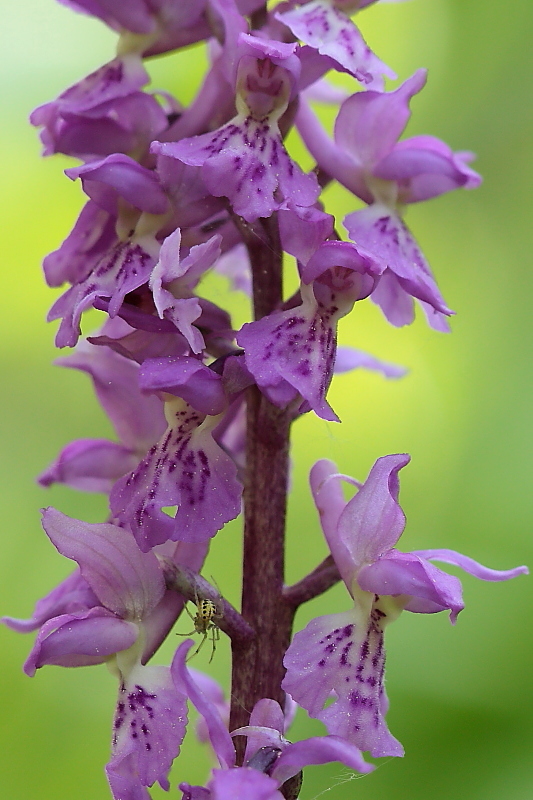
94, 465
150, 26
127, 615
343, 653
110, 84
368, 160
266, 729
93, 234
127, 262
186, 468
119, 177
292, 353
245, 160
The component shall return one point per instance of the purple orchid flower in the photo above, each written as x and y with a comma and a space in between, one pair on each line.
112, 82
343, 653
386, 174
127, 613
245, 160
138, 16
92, 236
94, 465
292, 353
186, 468
326, 26
119, 177
128, 261
123, 268
120, 125
267, 726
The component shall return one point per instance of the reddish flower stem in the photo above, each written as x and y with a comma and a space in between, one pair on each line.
258, 664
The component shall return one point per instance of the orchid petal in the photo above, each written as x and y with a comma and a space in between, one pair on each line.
318, 750
343, 653
321, 25
326, 488
369, 123
172, 280
214, 692
425, 167
383, 236
79, 640
92, 465
123, 781
149, 726
70, 597
92, 235
125, 267
471, 566
295, 347
373, 520
243, 783
126, 178
188, 469
302, 230
348, 358
218, 732
265, 727
246, 162
120, 77
126, 581
234, 264
407, 574
185, 377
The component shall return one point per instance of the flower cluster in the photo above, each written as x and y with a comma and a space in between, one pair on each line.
202, 410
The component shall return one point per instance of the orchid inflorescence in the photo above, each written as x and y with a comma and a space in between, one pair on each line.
202, 411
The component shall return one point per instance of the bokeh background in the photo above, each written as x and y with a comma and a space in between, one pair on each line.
461, 698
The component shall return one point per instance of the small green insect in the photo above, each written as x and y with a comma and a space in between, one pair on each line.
205, 621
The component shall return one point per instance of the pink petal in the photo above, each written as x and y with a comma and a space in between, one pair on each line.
373, 521
187, 469
79, 640
149, 726
322, 26
343, 653
125, 580
218, 732
92, 465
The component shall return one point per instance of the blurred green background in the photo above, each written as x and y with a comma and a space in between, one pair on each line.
461, 699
